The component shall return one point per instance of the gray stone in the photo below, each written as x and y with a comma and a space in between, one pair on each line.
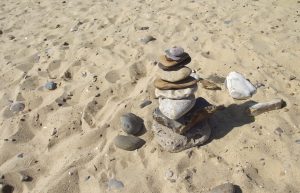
51, 85
174, 142
176, 94
174, 109
131, 123
115, 184
147, 39
195, 38
17, 106
128, 143
224, 188
238, 86
174, 53
174, 75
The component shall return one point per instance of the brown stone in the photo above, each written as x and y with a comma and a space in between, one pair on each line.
166, 64
164, 85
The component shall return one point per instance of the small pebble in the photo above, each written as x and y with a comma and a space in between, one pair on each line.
51, 85
147, 39
143, 28
1, 32
20, 155
11, 37
298, 141
224, 188
115, 184
195, 38
87, 178
17, 106
278, 131
292, 77
170, 176
5, 188
25, 178
54, 132
145, 103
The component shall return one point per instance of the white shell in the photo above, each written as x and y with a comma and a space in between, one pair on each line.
238, 86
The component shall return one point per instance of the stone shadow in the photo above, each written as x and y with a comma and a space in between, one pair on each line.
223, 121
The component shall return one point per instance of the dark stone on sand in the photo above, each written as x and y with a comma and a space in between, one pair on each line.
6, 188
131, 123
128, 143
223, 188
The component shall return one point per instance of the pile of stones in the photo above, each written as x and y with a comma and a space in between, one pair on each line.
180, 121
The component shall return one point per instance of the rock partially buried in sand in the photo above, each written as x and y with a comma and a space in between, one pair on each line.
209, 85
260, 108
51, 85
238, 86
17, 107
224, 188
131, 123
174, 109
186, 83
128, 143
147, 39
174, 75
115, 184
176, 94
174, 142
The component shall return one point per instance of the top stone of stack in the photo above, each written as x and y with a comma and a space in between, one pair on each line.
174, 57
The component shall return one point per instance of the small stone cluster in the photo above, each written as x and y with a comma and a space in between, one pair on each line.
180, 121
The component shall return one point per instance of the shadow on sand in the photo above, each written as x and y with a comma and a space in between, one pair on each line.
223, 121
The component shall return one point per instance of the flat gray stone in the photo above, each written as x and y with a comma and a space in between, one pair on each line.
238, 86
131, 123
174, 109
129, 142
174, 75
174, 53
174, 142
17, 106
223, 188
176, 94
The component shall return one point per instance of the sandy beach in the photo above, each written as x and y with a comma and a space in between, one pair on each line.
93, 50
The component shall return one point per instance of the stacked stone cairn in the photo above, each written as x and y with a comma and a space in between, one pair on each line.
180, 121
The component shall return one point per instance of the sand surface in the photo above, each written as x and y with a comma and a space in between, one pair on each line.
92, 49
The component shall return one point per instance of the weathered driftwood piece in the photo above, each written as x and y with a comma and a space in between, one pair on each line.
260, 108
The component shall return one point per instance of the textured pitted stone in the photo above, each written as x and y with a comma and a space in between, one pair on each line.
186, 83
238, 86
176, 94
174, 75
166, 63
174, 142
200, 112
224, 188
174, 109
17, 106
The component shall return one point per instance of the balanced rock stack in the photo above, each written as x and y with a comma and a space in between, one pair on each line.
180, 121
